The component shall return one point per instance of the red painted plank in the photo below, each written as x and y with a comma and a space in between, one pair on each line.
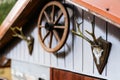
57, 74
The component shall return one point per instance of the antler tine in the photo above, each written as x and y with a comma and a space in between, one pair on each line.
80, 34
78, 26
16, 34
93, 31
14, 31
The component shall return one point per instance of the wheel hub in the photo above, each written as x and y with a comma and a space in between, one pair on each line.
49, 26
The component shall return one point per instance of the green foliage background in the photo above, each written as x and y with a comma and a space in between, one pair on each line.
5, 9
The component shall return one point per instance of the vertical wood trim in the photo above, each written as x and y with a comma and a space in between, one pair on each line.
22, 49
14, 52
20, 46
69, 45
113, 65
40, 54
61, 58
94, 65
69, 54
82, 41
88, 58
54, 61
33, 60
100, 30
10, 53
47, 58
73, 40
78, 60
35, 47
54, 57
106, 40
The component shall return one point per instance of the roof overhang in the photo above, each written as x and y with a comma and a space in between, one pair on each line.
21, 13
106, 9
12, 16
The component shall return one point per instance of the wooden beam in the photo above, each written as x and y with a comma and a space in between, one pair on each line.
12, 16
22, 14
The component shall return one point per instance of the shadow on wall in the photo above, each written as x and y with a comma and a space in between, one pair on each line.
68, 47
73, 14
114, 31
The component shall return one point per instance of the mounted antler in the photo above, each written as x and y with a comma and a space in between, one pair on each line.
18, 33
100, 47
80, 34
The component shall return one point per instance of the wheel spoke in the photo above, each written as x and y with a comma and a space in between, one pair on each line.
58, 18
46, 36
52, 13
56, 35
46, 15
40, 26
59, 27
51, 36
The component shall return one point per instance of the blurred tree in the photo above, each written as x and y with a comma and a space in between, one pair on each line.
5, 7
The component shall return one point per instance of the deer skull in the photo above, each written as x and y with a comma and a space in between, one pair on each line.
97, 51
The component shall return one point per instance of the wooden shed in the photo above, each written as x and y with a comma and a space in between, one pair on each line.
60, 50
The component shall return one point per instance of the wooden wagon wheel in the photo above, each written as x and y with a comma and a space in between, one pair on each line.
53, 26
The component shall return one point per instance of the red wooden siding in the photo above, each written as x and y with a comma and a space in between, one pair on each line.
57, 74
